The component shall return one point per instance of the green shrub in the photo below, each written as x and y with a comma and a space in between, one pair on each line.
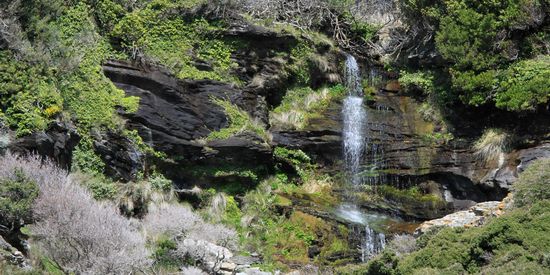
17, 194
177, 42
423, 81
295, 157
525, 85
164, 253
102, 188
232, 214
108, 13
159, 182
516, 239
533, 184
488, 64
412, 194
29, 95
239, 121
85, 158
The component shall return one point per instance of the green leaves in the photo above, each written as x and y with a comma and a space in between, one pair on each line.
178, 42
525, 85
16, 197
238, 121
481, 40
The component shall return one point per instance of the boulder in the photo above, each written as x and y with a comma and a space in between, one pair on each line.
477, 215
56, 143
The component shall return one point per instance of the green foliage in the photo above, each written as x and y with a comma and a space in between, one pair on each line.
489, 64
300, 104
515, 241
163, 253
533, 184
438, 138
477, 88
108, 13
102, 188
16, 198
423, 81
298, 159
525, 85
239, 121
51, 267
68, 77
142, 146
413, 194
29, 97
232, 214
159, 182
176, 41
301, 63
295, 157
85, 159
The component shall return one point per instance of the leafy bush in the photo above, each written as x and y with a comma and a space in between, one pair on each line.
159, 182
17, 194
422, 81
29, 95
63, 73
85, 159
510, 243
176, 41
412, 194
164, 253
239, 121
533, 184
525, 85
489, 64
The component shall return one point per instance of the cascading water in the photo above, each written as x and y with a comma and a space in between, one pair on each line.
355, 119
354, 122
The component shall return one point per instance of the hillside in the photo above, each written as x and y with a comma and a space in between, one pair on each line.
274, 137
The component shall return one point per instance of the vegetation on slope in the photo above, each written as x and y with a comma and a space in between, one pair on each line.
497, 50
516, 242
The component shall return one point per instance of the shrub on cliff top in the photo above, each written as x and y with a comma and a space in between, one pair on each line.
533, 184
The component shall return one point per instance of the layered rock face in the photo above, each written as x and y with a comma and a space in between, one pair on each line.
406, 150
175, 116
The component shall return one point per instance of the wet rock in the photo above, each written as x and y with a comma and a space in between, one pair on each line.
123, 161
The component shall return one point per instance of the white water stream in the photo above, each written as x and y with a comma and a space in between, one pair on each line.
354, 144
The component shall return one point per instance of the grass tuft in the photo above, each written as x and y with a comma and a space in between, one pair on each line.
492, 144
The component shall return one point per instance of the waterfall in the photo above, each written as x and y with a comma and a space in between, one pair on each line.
355, 117
373, 243
354, 143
